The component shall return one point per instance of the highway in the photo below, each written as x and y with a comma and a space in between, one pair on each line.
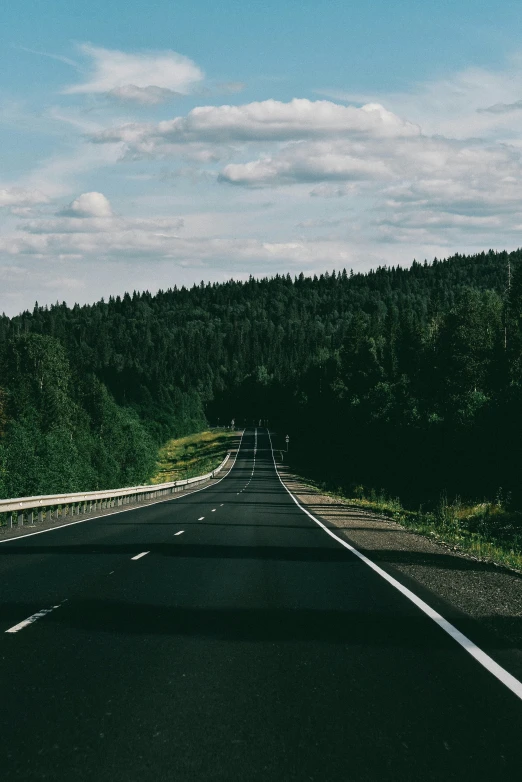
224, 635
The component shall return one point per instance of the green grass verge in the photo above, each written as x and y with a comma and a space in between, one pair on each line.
193, 455
488, 530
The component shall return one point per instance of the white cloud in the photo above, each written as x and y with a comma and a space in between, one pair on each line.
89, 205
471, 103
305, 162
122, 74
21, 197
269, 120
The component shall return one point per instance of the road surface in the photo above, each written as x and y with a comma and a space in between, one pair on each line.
224, 635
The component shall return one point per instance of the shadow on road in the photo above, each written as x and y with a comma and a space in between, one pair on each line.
257, 625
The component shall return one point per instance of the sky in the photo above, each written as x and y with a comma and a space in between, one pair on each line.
147, 145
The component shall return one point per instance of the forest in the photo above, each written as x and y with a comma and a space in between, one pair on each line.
405, 379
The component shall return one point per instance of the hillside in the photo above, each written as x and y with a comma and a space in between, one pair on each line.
405, 379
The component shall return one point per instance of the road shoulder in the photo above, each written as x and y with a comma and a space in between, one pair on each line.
484, 598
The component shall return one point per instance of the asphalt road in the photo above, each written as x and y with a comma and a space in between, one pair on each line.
246, 644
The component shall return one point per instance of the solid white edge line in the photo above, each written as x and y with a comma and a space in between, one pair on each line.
475, 651
31, 619
139, 556
128, 510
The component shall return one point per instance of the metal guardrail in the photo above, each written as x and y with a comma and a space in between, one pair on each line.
79, 503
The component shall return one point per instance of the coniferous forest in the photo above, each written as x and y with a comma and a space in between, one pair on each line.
406, 379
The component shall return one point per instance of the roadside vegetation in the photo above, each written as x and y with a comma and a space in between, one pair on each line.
490, 531
197, 454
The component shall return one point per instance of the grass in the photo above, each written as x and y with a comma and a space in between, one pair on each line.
489, 531
196, 454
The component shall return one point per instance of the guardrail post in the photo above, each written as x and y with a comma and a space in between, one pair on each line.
10, 521
40, 516
20, 520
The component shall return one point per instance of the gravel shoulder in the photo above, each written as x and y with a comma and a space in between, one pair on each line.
483, 600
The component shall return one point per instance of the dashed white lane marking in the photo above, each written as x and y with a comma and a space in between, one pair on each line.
201, 518
128, 510
213, 510
31, 619
179, 533
221, 505
475, 651
139, 556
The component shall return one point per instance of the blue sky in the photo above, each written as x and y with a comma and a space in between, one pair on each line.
143, 146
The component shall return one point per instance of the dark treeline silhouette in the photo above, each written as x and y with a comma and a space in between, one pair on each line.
404, 379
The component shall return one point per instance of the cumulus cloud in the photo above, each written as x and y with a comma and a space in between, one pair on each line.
269, 120
385, 162
21, 197
305, 162
131, 76
89, 205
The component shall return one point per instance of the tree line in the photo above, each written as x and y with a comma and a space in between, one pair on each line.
408, 379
